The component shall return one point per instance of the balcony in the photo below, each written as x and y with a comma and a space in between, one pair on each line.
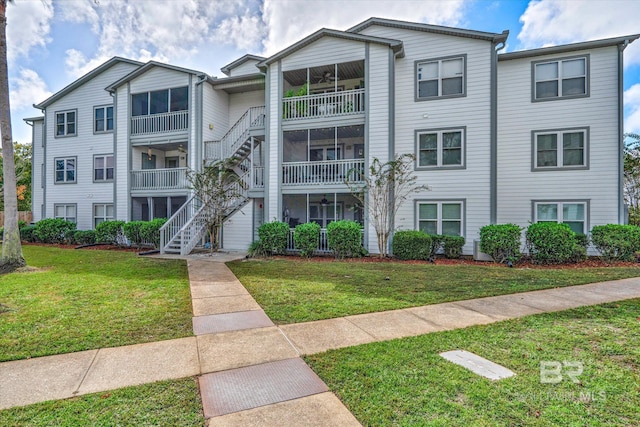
150, 124
159, 179
332, 104
320, 172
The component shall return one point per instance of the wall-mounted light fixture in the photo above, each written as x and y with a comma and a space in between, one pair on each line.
149, 153
324, 201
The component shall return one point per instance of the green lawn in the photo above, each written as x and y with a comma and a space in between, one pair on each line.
405, 382
86, 299
298, 290
166, 403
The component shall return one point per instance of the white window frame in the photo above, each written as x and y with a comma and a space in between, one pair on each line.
65, 170
97, 219
440, 77
65, 206
65, 123
105, 109
439, 220
440, 148
104, 167
560, 78
169, 91
535, 167
560, 211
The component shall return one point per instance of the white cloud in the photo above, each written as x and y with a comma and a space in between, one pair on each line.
632, 107
289, 21
27, 89
28, 26
553, 22
244, 32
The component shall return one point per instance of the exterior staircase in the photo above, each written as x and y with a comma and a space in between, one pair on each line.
187, 227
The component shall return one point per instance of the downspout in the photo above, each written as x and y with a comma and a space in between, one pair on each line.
621, 211
43, 172
493, 151
115, 152
199, 144
33, 176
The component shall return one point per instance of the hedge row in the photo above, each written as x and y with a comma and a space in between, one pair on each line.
58, 231
418, 245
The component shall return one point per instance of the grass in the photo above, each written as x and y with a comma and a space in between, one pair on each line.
166, 403
86, 299
299, 291
405, 382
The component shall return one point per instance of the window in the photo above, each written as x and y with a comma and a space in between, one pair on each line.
441, 217
65, 169
561, 79
66, 123
103, 119
65, 211
572, 213
103, 168
440, 78
160, 101
440, 148
560, 149
102, 212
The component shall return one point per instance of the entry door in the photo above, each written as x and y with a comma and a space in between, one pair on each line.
171, 162
148, 162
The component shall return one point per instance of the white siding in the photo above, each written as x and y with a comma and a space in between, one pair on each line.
237, 233
273, 154
158, 78
239, 103
249, 67
37, 162
215, 112
471, 111
518, 116
83, 146
327, 50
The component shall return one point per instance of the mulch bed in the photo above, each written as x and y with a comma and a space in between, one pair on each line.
89, 248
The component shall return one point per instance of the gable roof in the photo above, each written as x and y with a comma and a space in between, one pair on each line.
248, 57
82, 80
396, 45
622, 40
146, 67
438, 29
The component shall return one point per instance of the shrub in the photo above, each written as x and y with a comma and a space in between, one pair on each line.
307, 238
22, 224
501, 242
131, 231
551, 243
274, 237
256, 249
110, 232
452, 246
345, 239
411, 244
28, 234
616, 242
85, 237
436, 243
53, 230
150, 231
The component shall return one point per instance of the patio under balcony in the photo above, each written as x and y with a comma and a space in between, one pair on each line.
159, 167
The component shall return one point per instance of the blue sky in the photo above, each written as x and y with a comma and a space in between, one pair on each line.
53, 42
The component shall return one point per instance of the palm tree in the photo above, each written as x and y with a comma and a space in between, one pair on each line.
11, 248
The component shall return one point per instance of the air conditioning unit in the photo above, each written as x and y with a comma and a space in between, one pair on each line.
479, 256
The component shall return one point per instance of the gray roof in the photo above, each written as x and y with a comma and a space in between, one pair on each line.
459, 32
82, 80
568, 47
135, 73
33, 119
243, 83
248, 57
396, 45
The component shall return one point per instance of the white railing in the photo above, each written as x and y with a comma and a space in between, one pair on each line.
323, 245
322, 172
324, 105
159, 179
258, 177
158, 123
178, 220
253, 118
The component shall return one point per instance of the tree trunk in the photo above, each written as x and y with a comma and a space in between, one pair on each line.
11, 248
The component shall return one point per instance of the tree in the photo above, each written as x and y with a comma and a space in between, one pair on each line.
632, 176
22, 160
221, 191
12, 257
383, 191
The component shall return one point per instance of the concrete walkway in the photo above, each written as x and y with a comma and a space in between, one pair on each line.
249, 369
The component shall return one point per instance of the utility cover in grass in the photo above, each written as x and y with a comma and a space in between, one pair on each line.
477, 365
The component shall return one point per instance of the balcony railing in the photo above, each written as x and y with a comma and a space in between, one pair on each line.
323, 172
323, 246
159, 123
258, 177
159, 179
324, 105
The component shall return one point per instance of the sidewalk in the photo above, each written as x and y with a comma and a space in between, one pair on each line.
250, 369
